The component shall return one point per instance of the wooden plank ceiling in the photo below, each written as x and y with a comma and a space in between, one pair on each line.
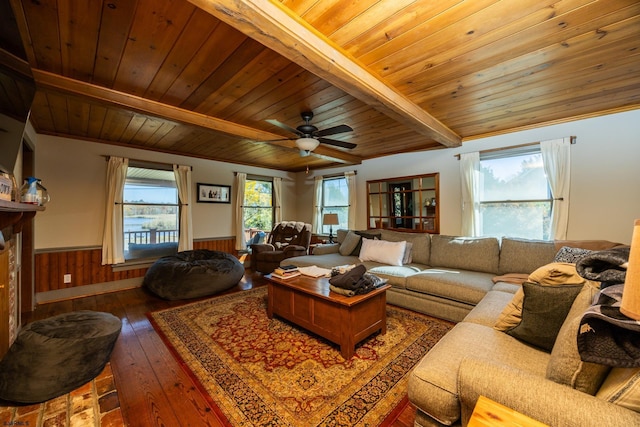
201, 77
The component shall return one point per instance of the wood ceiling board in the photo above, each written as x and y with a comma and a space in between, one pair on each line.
186, 49
527, 42
156, 26
42, 20
117, 18
79, 23
281, 31
621, 40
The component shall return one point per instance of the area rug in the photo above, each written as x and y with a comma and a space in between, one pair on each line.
257, 371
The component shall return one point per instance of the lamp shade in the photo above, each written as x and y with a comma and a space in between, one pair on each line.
630, 305
330, 219
307, 144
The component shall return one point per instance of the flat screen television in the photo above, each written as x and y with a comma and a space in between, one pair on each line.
16, 95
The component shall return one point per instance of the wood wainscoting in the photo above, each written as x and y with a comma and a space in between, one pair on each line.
85, 266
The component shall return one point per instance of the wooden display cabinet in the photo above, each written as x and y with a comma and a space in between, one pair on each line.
408, 203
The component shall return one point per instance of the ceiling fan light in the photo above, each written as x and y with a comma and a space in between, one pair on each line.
307, 144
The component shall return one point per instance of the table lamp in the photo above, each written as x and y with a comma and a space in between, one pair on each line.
330, 219
630, 305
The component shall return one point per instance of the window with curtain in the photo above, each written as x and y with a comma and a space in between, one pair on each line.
335, 199
514, 195
151, 225
258, 209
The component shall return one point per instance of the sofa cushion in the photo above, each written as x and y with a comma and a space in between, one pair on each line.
524, 256
433, 383
487, 310
458, 285
544, 309
421, 243
467, 253
565, 366
349, 243
396, 275
324, 261
622, 387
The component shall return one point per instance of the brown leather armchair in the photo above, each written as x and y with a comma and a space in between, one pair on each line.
287, 239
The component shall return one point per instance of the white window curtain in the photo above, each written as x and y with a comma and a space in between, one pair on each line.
183, 182
241, 243
316, 220
470, 179
351, 185
556, 160
277, 191
112, 238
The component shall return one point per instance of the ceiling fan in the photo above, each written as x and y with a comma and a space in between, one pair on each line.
308, 137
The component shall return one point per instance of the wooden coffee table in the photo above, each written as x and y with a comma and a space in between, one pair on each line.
308, 302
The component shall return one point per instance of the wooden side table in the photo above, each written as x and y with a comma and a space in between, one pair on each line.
488, 413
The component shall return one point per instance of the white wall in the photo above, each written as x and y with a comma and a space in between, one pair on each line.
604, 197
74, 173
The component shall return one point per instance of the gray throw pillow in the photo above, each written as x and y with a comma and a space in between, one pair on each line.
349, 243
571, 255
366, 235
544, 310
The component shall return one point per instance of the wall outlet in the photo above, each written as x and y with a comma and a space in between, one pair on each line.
67, 278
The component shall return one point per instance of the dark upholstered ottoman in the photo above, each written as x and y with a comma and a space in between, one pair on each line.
54, 356
192, 274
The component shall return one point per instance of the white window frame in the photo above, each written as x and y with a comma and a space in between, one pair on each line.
251, 231
515, 152
170, 236
335, 208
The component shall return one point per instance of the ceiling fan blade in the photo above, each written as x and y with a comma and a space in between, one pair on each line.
334, 130
336, 143
283, 126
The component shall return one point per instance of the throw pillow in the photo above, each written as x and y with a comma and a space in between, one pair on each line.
571, 255
552, 274
382, 251
565, 366
366, 235
408, 254
622, 387
349, 243
544, 309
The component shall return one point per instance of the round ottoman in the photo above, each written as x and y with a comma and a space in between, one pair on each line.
192, 274
54, 356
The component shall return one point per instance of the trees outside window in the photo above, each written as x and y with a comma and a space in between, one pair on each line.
258, 207
515, 199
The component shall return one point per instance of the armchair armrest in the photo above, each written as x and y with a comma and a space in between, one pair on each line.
535, 396
262, 247
294, 250
330, 248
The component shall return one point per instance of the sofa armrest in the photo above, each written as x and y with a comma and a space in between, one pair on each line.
536, 397
330, 248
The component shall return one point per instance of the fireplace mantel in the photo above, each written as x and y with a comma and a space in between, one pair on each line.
14, 214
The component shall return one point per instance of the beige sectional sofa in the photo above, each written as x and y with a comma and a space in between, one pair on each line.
467, 280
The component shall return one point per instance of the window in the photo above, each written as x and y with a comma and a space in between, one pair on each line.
335, 199
257, 209
515, 199
150, 213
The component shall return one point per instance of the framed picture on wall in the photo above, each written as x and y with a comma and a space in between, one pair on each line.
213, 193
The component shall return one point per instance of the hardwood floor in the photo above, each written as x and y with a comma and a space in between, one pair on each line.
152, 387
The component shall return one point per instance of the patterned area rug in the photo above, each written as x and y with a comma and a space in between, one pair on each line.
258, 372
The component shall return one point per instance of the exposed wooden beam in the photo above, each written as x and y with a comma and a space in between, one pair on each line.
276, 27
108, 96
